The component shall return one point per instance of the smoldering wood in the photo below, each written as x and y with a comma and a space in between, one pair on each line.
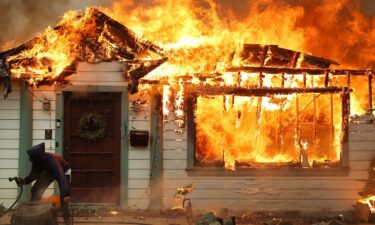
123, 35
254, 54
345, 98
191, 104
273, 55
256, 91
280, 57
326, 80
293, 71
313, 61
142, 70
16, 50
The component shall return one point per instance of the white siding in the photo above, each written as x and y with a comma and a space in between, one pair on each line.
105, 73
43, 120
307, 193
9, 144
139, 158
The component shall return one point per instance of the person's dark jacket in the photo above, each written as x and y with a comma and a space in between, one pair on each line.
50, 162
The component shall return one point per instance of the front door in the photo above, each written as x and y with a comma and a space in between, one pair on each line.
95, 164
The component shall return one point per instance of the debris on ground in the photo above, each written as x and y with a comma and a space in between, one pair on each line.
177, 216
2, 209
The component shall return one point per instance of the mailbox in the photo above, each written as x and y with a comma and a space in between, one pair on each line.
139, 138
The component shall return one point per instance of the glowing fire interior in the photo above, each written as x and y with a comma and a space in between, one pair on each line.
234, 129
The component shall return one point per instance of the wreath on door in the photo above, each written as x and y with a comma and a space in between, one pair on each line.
91, 126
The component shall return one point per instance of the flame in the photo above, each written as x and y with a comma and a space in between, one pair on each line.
370, 201
114, 213
54, 199
166, 101
230, 131
204, 38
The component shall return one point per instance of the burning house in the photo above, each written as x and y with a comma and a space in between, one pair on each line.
268, 129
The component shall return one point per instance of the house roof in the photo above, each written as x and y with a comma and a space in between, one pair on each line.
91, 37
258, 55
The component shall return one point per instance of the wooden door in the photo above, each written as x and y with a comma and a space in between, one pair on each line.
95, 166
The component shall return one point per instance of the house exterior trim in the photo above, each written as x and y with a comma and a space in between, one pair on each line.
59, 119
124, 173
156, 153
25, 140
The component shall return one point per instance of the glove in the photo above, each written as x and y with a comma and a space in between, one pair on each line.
20, 182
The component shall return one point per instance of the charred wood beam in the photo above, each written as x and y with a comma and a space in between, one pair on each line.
326, 79
278, 70
142, 71
345, 110
213, 90
143, 81
370, 90
16, 50
124, 33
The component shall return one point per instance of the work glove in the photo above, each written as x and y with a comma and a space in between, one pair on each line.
20, 182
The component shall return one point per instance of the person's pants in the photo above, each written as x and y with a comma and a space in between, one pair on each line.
40, 186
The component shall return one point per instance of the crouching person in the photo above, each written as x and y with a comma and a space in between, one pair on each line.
46, 168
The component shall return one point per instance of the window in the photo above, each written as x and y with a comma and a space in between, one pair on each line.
260, 129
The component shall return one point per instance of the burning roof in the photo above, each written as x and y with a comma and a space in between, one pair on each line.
92, 37
274, 56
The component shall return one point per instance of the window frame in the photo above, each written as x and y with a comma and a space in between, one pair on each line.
192, 170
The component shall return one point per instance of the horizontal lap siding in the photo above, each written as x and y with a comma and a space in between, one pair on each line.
310, 193
139, 157
9, 144
43, 120
105, 73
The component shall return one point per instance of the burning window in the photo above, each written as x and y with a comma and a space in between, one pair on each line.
264, 130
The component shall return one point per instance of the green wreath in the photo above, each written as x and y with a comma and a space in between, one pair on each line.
91, 126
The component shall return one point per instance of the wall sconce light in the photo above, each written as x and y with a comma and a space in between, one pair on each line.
46, 105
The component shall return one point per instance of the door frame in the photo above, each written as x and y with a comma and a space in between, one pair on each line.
124, 129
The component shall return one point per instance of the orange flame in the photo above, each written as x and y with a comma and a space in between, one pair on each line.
370, 201
200, 37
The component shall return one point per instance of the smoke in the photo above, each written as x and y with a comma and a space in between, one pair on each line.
21, 20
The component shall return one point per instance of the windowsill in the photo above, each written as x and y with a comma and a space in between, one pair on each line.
206, 171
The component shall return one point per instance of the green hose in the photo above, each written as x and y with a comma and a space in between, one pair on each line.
18, 197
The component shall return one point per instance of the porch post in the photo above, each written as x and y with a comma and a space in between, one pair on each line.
25, 138
191, 101
59, 131
124, 161
345, 126
156, 159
